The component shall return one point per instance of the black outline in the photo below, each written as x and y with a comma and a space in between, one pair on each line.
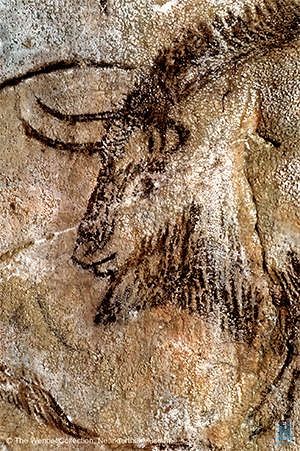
89, 147
73, 118
63, 65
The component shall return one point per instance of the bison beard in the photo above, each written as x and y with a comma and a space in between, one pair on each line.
181, 266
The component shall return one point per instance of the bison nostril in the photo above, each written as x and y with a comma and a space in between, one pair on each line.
90, 245
92, 237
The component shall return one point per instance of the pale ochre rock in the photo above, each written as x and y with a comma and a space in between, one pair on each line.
150, 224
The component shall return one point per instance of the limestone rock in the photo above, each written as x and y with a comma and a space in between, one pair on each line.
150, 224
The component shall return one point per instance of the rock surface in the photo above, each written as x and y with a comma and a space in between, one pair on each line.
150, 224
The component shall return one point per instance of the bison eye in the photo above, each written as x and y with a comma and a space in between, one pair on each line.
167, 137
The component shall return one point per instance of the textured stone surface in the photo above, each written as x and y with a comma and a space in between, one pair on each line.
150, 224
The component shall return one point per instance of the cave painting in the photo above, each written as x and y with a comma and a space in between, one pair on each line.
152, 228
